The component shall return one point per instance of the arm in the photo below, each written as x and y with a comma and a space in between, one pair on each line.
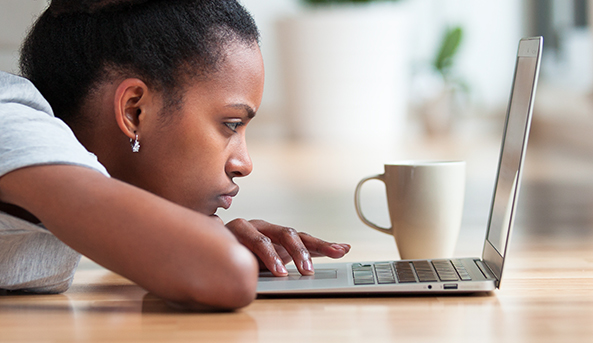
175, 253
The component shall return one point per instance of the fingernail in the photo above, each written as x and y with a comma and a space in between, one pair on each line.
307, 265
338, 247
280, 268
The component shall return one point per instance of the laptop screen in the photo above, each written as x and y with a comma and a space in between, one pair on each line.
514, 144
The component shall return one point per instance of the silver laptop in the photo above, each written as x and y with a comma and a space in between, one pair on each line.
458, 275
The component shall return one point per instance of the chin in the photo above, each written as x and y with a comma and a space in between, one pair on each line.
207, 211
210, 213
200, 207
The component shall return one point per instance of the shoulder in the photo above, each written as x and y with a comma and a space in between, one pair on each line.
16, 90
30, 134
25, 114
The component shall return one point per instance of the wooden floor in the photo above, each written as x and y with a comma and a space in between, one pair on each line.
546, 293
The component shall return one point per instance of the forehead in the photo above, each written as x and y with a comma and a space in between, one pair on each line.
240, 75
240, 63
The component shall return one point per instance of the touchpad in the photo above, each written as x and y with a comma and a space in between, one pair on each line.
293, 274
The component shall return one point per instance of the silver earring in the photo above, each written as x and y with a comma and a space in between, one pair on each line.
135, 144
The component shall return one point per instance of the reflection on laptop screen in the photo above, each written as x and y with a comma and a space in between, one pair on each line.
512, 149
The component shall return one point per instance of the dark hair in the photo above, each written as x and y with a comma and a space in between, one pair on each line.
76, 44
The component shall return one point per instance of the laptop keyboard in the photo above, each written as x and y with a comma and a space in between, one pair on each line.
409, 272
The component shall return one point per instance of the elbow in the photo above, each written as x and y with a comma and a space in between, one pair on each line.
239, 287
231, 286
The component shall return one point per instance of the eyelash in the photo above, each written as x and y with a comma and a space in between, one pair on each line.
234, 125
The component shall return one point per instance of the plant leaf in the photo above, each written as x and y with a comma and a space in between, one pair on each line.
449, 47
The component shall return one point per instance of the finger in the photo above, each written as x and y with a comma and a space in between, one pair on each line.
284, 255
290, 240
259, 244
320, 248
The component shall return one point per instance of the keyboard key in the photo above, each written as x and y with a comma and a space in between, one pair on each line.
364, 281
384, 273
424, 271
445, 270
389, 280
404, 271
463, 274
465, 277
363, 274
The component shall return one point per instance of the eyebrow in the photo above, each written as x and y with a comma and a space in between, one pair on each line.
248, 109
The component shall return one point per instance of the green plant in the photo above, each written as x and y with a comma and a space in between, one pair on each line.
446, 54
322, 2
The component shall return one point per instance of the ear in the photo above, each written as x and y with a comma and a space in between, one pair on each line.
131, 103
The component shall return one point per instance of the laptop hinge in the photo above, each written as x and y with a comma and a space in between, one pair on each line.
486, 271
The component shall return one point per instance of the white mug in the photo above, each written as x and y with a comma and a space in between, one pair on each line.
425, 202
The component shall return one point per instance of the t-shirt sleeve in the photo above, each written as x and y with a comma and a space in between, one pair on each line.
30, 134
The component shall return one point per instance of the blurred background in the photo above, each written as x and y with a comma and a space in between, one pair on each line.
353, 85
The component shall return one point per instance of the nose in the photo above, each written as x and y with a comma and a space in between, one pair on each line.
239, 163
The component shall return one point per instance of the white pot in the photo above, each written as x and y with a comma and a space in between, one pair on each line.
346, 73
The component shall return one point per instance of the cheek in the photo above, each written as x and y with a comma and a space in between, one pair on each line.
200, 154
189, 141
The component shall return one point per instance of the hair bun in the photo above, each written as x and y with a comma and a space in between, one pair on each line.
58, 7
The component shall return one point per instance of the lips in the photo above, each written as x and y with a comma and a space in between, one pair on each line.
227, 199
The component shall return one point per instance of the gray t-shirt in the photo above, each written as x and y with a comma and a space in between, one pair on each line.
31, 258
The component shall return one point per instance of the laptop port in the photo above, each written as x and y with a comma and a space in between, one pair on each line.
450, 286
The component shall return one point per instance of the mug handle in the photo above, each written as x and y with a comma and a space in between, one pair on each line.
359, 209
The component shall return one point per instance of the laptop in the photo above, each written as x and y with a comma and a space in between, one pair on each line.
457, 275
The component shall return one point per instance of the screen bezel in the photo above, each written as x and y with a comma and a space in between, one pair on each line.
528, 48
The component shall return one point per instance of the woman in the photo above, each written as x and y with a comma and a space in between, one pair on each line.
161, 91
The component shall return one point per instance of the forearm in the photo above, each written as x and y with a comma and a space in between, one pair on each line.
175, 253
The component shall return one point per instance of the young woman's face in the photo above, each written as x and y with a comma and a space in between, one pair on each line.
194, 157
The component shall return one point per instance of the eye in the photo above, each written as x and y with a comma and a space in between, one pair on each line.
234, 125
